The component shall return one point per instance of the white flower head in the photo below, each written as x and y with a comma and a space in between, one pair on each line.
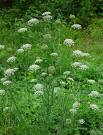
70, 79
16, 69
6, 83
38, 87
2, 47
76, 26
94, 107
69, 42
34, 68
76, 64
9, 72
66, 73
33, 21
56, 89
26, 47
2, 92
22, 30
54, 54
72, 16
20, 51
73, 110
46, 13
91, 81
79, 65
38, 60
38, 92
58, 21
47, 17
79, 53
44, 74
76, 105
6, 109
47, 36
3, 79
44, 47
62, 83
33, 81
81, 121
84, 67
11, 59
94, 94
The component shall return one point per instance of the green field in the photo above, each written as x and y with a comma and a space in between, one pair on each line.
51, 78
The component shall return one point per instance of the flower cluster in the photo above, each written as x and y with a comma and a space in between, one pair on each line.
34, 68
47, 16
69, 42
33, 21
2, 47
76, 26
11, 59
79, 65
79, 53
22, 30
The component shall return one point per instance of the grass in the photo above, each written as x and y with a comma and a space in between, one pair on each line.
49, 113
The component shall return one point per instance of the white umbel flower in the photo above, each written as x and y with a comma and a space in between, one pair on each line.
34, 68
2, 47
56, 89
3, 79
21, 30
72, 16
79, 53
47, 17
38, 92
91, 81
33, 81
76, 105
20, 51
94, 107
11, 59
69, 42
47, 36
2, 92
54, 54
44, 74
9, 72
38, 60
66, 73
33, 21
6, 109
73, 110
46, 13
16, 69
70, 79
84, 67
94, 94
58, 21
6, 83
81, 121
79, 65
76, 64
76, 26
26, 47
62, 83
38, 87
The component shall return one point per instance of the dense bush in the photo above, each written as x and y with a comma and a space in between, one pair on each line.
84, 9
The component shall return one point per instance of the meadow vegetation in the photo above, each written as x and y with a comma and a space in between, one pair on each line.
51, 76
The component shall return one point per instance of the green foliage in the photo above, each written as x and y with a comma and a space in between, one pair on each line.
25, 112
83, 9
